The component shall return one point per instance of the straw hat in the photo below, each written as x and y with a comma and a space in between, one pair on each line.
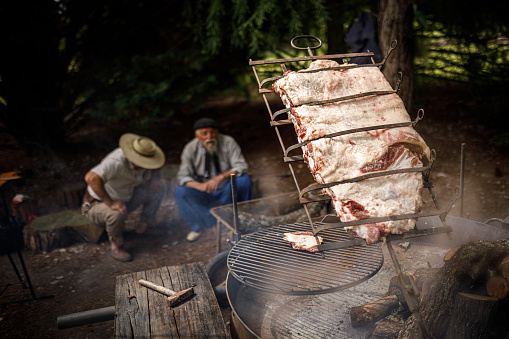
142, 151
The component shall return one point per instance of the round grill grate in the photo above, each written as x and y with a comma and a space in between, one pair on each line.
266, 261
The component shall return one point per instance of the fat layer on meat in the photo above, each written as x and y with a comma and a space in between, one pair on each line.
303, 240
344, 157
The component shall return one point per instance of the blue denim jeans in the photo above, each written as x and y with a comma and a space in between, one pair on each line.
194, 205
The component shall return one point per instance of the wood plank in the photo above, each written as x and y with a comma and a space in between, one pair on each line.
144, 313
200, 316
162, 321
131, 302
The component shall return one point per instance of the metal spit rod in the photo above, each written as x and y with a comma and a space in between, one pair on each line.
462, 178
410, 293
236, 235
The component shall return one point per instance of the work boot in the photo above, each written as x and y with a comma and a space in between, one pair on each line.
192, 236
120, 254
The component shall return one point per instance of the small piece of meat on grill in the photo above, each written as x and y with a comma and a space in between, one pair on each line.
352, 155
303, 241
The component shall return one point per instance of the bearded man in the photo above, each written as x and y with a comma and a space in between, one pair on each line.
207, 162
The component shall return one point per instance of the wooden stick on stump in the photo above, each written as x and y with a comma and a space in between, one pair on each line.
371, 313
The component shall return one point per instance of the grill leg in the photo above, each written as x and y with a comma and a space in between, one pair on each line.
25, 272
27, 278
218, 230
21, 281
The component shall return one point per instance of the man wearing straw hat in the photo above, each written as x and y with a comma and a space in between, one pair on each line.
124, 180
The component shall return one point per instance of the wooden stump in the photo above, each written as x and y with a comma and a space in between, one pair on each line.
59, 230
472, 316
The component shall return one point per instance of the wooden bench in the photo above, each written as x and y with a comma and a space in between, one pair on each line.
144, 313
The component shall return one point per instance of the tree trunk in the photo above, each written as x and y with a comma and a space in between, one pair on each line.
335, 32
395, 19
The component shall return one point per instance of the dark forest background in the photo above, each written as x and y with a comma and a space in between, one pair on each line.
64, 63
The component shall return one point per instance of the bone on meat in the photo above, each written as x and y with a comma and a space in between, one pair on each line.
352, 155
303, 241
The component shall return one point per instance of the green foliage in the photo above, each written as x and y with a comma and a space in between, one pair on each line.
467, 43
143, 62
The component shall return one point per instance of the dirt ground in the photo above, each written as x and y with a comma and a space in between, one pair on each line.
82, 277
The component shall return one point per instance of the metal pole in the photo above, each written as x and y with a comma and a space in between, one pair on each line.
235, 208
462, 178
86, 318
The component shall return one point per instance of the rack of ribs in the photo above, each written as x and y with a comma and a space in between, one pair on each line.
339, 158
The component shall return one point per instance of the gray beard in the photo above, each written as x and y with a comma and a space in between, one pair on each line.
212, 149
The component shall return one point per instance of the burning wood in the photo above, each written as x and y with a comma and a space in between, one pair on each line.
372, 312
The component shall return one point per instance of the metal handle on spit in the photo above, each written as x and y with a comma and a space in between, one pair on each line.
306, 48
236, 235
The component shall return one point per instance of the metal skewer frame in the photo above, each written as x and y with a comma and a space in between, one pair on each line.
303, 198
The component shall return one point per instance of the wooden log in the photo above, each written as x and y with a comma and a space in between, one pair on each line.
423, 278
470, 266
450, 254
372, 312
58, 230
504, 268
497, 287
472, 316
388, 328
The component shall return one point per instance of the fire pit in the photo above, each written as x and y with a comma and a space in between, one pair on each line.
258, 313
276, 291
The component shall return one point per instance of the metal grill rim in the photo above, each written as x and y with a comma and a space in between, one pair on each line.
264, 260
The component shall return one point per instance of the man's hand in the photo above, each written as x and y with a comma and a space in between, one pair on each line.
119, 206
212, 184
209, 186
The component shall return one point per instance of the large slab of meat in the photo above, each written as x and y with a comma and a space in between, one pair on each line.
349, 156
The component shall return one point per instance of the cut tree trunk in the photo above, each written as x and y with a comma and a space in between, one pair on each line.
395, 18
472, 316
58, 230
469, 268
372, 312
